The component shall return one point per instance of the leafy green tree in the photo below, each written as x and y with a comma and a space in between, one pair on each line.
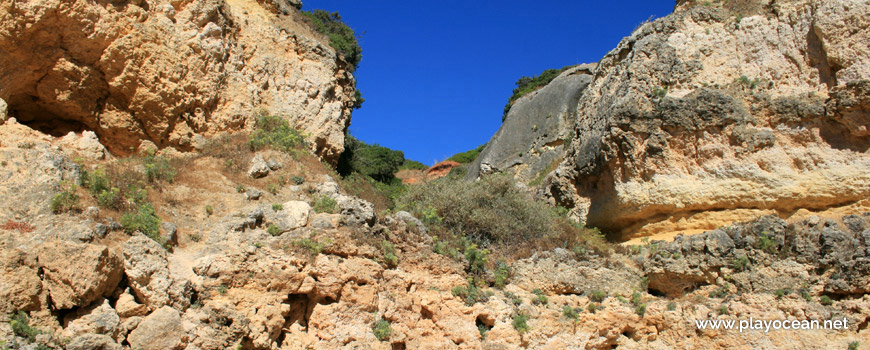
375, 161
341, 37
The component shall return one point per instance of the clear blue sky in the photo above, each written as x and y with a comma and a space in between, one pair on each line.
437, 74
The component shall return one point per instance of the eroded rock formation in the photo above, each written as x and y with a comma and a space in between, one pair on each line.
720, 113
168, 71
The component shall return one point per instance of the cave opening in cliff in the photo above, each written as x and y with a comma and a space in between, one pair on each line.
35, 114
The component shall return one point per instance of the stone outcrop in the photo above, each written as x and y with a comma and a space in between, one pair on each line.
78, 274
537, 130
170, 72
720, 113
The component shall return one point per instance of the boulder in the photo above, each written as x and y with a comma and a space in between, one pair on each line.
161, 330
93, 342
355, 211
78, 274
147, 269
4, 114
99, 318
259, 168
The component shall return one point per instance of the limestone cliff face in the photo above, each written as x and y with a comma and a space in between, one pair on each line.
717, 114
169, 71
533, 137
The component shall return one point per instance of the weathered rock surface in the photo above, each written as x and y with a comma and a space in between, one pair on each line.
161, 330
78, 274
147, 270
715, 114
532, 139
169, 71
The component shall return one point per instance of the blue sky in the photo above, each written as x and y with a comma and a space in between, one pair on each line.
437, 74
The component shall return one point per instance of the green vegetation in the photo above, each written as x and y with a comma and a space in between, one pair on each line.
375, 161
144, 220
274, 132
389, 253
311, 245
780, 293
298, 180
471, 293
515, 299
597, 296
382, 329
341, 37
766, 242
494, 212
520, 322
158, 168
222, 289
526, 85
853, 345
20, 324
325, 205
358, 99
723, 309
593, 307
274, 230
467, 156
412, 165
501, 274
66, 200
277, 207
741, 263
540, 298
672, 306
825, 300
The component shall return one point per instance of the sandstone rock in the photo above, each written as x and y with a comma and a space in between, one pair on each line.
558, 272
20, 285
253, 194
325, 221
190, 68
721, 124
78, 274
4, 114
411, 221
93, 342
170, 233
87, 144
161, 330
99, 318
258, 167
147, 270
127, 306
295, 214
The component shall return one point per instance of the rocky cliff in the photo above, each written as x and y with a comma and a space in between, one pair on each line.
717, 113
169, 71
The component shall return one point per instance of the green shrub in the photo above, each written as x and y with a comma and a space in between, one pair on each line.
222, 289
158, 169
66, 200
766, 242
515, 299
779, 293
358, 99
20, 324
825, 300
389, 253
341, 37
501, 274
520, 322
741, 263
636, 298
467, 156
382, 329
144, 220
540, 298
471, 293
313, 246
276, 133
597, 296
274, 230
723, 309
209, 210
412, 165
325, 205
298, 180
592, 307
493, 211
477, 259
375, 161
277, 207
526, 85
272, 188
640, 310
672, 306
853, 345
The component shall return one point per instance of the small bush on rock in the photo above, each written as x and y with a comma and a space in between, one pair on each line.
144, 220
325, 205
276, 133
382, 329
